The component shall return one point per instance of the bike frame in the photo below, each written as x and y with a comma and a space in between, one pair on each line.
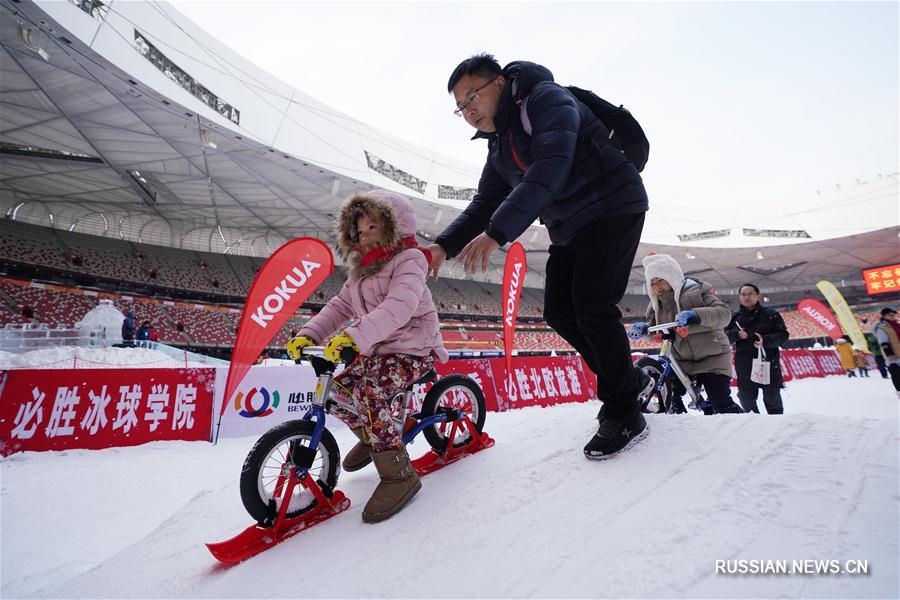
325, 395
670, 365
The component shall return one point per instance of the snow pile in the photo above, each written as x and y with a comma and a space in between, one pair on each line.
529, 517
68, 357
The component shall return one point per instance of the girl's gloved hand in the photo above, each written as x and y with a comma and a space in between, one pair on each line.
687, 317
296, 344
336, 347
637, 330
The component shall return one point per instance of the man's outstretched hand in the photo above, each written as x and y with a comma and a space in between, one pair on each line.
477, 252
438, 256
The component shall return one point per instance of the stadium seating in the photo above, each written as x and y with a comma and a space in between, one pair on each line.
31, 245
52, 308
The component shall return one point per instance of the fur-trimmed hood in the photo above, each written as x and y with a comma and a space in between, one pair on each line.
395, 212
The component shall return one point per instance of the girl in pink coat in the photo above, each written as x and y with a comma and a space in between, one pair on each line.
392, 323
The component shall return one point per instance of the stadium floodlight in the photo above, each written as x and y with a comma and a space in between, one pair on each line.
146, 186
28, 39
204, 139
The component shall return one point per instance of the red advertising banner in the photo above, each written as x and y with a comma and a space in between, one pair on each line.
480, 370
537, 380
283, 283
546, 380
821, 316
102, 408
882, 279
800, 364
513, 281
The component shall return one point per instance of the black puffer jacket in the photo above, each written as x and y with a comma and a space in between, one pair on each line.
566, 172
769, 324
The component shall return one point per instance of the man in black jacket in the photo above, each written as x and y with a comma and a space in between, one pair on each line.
549, 157
752, 326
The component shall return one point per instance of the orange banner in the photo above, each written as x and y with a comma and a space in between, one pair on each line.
881, 280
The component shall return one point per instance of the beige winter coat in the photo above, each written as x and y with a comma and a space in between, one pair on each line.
706, 348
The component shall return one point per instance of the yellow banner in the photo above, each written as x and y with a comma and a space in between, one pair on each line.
844, 315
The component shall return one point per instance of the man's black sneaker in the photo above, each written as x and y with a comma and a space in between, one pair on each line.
615, 435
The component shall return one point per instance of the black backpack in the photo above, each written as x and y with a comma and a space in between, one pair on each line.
625, 132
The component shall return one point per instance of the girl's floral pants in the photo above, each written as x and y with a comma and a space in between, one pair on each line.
371, 382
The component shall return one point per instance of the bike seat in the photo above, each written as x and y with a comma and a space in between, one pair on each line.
428, 377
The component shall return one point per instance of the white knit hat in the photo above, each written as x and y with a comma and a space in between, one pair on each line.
665, 267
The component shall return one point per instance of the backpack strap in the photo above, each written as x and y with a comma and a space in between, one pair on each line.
523, 111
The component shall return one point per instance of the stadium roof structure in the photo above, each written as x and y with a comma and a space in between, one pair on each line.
130, 121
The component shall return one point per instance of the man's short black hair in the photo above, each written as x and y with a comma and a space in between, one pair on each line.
483, 64
748, 285
887, 311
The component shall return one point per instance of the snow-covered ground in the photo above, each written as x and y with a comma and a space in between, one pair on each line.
529, 517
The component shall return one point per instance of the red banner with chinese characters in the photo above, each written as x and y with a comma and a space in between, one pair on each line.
882, 279
537, 380
546, 380
800, 364
102, 408
481, 371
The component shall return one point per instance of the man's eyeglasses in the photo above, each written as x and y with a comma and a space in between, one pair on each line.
470, 98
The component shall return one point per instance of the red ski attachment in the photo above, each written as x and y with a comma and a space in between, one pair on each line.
256, 539
432, 461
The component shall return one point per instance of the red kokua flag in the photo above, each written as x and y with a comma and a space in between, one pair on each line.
513, 281
283, 283
819, 314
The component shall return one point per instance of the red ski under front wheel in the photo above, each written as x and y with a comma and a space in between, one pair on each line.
453, 391
265, 470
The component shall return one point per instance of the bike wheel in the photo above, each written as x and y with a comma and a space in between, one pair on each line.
271, 456
453, 391
660, 398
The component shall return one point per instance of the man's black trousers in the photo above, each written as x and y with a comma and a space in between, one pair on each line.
585, 282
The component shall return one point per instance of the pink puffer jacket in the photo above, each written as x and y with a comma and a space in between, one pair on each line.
388, 302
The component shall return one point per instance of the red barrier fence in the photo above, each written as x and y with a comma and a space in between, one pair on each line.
800, 364
101, 408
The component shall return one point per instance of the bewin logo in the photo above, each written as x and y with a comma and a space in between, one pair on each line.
514, 282
244, 404
274, 302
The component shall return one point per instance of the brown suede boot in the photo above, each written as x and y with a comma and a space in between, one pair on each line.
399, 483
361, 454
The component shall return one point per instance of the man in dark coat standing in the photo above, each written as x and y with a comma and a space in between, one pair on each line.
128, 327
549, 157
752, 326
